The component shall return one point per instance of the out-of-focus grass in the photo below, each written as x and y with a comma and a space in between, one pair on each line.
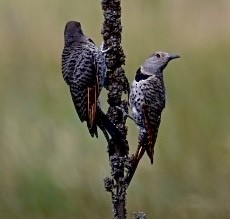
49, 165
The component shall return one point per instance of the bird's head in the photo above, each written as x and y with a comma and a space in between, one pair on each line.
73, 32
156, 63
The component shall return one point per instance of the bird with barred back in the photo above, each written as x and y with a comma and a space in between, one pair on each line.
147, 101
83, 69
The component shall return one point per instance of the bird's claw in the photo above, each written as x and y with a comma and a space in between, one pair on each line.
102, 48
125, 114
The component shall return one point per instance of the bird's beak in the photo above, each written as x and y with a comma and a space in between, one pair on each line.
173, 56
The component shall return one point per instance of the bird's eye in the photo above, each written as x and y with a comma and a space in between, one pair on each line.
158, 55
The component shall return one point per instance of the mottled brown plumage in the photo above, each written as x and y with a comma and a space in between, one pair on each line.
147, 101
83, 69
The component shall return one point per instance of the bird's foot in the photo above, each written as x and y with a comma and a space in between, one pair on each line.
102, 48
125, 114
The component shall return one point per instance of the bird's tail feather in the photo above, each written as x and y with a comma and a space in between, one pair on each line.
103, 122
139, 153
92, 129
146, 143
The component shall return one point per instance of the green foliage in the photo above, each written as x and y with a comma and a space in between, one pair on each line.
49, 165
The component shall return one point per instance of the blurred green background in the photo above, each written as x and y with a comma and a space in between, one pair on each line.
49, 165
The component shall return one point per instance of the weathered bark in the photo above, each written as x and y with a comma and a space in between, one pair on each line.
116, 84
122, 166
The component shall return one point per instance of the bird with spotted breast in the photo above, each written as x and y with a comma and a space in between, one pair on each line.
147, 101
84, 70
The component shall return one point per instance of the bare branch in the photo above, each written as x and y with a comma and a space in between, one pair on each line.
116, 84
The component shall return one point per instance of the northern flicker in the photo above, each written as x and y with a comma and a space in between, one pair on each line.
147, 100
83, 69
